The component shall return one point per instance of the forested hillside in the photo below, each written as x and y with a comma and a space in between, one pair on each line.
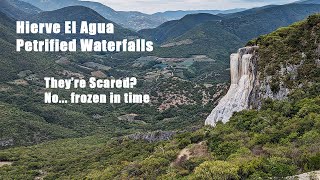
217, 39
231, 30
26, 120
81, 13
170, 30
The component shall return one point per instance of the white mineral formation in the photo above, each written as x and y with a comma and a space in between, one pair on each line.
242, 69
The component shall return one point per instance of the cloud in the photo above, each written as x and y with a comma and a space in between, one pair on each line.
151, 6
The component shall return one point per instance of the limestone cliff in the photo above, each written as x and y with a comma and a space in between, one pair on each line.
250, 85
243, 79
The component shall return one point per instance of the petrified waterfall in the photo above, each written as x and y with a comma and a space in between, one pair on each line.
243, 76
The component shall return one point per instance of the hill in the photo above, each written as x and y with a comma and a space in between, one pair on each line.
175, 15
308, 2
218, 39
26, 120
246, 25
230, 31
267, 20
132, 20
25, 127
22, 90
24, 6
81, 13
246, 12
172, 29
12, 61
128, 19
279, 140
18, 9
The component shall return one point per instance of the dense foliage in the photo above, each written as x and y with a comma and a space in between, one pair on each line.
291, 54
217, 38
280, 140
25, 120
172, 29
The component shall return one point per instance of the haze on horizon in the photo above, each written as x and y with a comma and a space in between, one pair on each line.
152, 6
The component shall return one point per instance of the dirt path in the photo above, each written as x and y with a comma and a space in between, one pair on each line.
196, 150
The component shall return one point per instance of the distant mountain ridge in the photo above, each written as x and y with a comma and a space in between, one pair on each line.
18, 9
26, 7
175, 28
218, 39
269, 19
132, 20
128, 19
81, 13
174, 15
308, 2
246, 25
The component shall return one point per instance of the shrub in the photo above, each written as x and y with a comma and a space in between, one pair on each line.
314, 162
216, 170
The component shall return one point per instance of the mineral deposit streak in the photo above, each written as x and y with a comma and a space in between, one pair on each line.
242, 69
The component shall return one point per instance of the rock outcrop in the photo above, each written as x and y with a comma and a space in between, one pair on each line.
153, 136
243, 79
314, 175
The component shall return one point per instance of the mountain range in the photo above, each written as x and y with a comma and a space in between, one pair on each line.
245, 25
18, 9
308, 2
172, 29
128, 19
175, 15
218, 38
81, 13
133, 20
21, 86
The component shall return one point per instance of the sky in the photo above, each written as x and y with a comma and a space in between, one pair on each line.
152, 6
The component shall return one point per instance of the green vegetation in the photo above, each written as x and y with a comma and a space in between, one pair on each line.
27, 128
171, 29
79, 120
25, 120
294, 48
12, 61
218, 39
245, 25
280, 140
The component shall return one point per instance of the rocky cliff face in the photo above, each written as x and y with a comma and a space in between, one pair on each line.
286, 64
243, 69
249, 85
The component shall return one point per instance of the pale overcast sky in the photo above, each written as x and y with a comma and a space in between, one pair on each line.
151, 6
